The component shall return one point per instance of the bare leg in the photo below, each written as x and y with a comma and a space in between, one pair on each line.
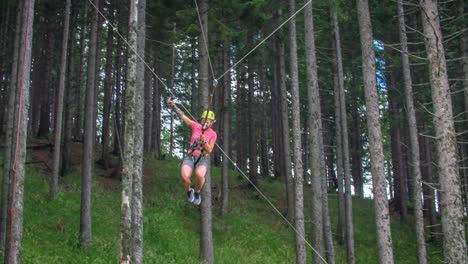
200, 173
185, 173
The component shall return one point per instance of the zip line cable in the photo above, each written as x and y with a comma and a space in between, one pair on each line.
265, 39
224, 153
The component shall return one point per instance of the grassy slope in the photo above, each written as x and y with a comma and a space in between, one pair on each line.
252, 232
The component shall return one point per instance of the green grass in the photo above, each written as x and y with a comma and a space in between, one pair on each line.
252, 232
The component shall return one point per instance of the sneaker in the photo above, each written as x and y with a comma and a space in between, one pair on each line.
197, 199
190, 195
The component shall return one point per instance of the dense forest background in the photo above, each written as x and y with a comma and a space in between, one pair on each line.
363, 99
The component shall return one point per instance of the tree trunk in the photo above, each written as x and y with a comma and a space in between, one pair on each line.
355, 144
286, 151
18, 170
156, 123
341, 228
450, 199
8, 154
252, 117
59, 103
89, 133
399, 181
148, 102
382, 217
315, 134
137, 194
206, 235
44, 123
108, 88
343, 124
129, 165
264, 157
414, 143
71, 84
226, 135
78, 135
301, 254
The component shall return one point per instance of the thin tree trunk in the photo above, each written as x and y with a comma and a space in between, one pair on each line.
206, 235
156, 123
59, 103
382, 217
399, 181
450, 199
341, 228
7, 157
78, 135
71, 84
301, 255
44, 122
414, 143
226, 134
148, 101
252, 117
89, 136
264, 157
315, 141
18, 170
345, 146
129, 166
286, 153
108, 83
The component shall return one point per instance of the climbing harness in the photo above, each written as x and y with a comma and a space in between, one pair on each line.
207, 114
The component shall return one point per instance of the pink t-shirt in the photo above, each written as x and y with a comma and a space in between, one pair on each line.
210, 136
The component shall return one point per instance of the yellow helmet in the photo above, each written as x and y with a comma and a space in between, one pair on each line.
208, 114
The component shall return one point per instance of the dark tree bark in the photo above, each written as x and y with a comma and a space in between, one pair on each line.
89, 136
156, 123
399, 181
264, 147
284, 131
45, 113
59, 103
78, 126
108, 88
226, 129
252, 117
71, 84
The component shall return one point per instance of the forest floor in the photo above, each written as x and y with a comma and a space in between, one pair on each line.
252, 231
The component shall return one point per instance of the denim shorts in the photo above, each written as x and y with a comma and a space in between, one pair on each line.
190, 161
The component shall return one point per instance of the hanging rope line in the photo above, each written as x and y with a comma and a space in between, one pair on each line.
265, 39
188, 112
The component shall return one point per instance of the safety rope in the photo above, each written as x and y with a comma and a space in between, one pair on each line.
224, 153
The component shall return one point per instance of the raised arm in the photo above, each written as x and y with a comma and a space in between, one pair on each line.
180, 113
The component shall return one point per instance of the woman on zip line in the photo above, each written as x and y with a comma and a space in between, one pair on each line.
202, 142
